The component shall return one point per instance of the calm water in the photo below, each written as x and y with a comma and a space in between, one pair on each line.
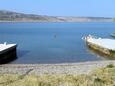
53, 42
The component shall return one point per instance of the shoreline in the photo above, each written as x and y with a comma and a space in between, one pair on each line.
53, 21
64, 68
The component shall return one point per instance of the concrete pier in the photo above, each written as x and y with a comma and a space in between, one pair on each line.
7, 53
103, 45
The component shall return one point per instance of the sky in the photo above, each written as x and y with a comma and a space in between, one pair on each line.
79, 8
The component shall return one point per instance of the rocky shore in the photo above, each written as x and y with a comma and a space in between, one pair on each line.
66, 68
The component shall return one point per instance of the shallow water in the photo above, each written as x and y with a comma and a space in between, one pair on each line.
53, 42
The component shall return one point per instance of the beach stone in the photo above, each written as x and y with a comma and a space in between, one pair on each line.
65, 68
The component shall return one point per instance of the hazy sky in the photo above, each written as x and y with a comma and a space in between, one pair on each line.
96, 8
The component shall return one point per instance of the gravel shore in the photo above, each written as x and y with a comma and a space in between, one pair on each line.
66, 68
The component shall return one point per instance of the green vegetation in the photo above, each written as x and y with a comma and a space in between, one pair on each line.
99, 77
113, 19
110, 66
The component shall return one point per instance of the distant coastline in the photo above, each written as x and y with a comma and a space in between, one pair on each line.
8, 16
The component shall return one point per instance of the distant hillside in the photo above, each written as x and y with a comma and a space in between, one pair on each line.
21, 17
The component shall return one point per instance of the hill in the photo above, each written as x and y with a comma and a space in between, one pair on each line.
7, 16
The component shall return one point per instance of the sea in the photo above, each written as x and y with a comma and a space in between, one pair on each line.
53, 43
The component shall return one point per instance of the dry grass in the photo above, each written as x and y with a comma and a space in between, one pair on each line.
99, 77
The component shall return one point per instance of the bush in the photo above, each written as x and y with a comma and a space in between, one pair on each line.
110, 66
99, 77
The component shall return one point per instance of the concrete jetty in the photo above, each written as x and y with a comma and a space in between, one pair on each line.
103, 45
7, 52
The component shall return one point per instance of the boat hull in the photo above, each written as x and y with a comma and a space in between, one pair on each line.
8, 55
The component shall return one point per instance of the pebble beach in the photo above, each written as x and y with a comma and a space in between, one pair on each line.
64, 68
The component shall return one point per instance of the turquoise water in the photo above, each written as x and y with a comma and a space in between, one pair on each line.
53, 42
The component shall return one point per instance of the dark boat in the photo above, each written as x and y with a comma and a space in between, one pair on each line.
7, 53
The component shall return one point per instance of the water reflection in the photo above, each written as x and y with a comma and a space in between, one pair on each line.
21, 53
